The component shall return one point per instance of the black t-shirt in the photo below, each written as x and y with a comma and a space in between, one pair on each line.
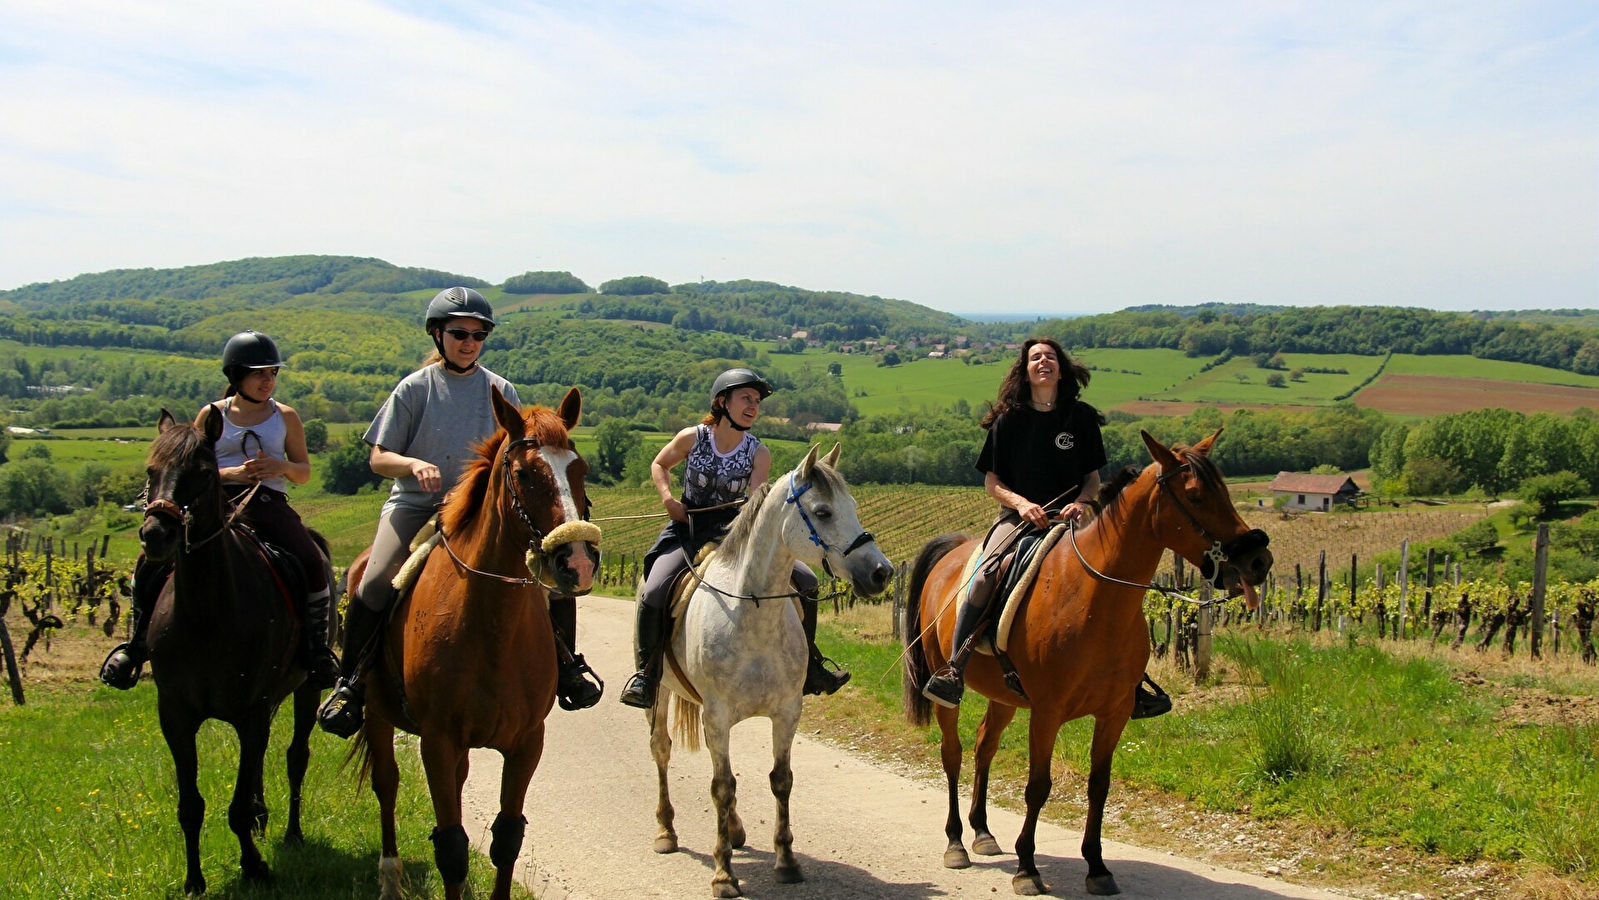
1041, 455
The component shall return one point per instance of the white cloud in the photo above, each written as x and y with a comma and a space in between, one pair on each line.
1018, 156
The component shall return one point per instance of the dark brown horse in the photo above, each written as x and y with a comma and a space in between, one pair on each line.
468, 658
222, 640
1078, 640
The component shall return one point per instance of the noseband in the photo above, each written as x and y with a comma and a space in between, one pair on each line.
861, 540
1219, 553
166, 506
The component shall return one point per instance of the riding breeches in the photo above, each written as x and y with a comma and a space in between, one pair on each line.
276, 522
397, 525
1001, 540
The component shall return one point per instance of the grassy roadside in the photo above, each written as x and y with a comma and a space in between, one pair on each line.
90, 803
1338, 764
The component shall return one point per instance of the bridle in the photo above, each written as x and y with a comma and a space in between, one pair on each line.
539, 545
1217, 556
861, 540
181, 512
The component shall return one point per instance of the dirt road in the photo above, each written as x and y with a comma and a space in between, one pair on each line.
860, 829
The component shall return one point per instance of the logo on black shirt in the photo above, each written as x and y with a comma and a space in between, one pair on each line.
1065, 441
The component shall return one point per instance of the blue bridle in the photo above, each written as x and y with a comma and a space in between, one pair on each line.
861, 540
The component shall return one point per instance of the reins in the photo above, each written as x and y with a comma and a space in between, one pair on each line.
185, 518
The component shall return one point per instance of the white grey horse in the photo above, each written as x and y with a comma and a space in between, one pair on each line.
735, 656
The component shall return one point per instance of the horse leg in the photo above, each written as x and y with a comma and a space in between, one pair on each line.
783, 727
510, 824
179, 732
445, 764
306, 700
950, 754
247, 812
661, 749
995, 720
386, 785
724, 791
1040, 748
1106, 734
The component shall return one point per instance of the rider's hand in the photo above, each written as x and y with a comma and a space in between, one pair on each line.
427, 475
1033, 514
675, 509
1076, 512
259, 468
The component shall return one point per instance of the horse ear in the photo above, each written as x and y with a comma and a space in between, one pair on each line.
1203, 447
166, 421
571, 408
832, 456
213, 425
806, 464
509, 417
1158, 451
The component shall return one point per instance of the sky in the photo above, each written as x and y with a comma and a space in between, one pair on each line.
1051, 158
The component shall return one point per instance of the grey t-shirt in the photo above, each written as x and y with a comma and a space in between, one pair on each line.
437, 416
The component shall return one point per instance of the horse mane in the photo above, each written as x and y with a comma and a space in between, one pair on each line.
825, 481
1111, 490
177, 446
1201, 465
471, 489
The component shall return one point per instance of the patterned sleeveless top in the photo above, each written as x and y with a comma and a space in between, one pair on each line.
711, 478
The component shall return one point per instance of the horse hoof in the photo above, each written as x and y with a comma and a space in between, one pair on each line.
985, 845
666, 843
1103, 885
293, 837
724, 890
955, 857
258, 872
1029, 885
389, 874
789, 875
195, 886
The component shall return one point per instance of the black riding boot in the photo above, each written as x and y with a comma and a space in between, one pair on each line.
1147, 704
321, 664
122, 665
946, 687
654, 627
340, 714
819, 679
573, 689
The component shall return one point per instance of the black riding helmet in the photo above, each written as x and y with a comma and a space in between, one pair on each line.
730, 381
454, 303
246, 351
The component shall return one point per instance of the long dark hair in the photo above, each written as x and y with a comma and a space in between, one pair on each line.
1013, 390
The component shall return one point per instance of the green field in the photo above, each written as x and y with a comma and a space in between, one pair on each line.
1223, 384
1472, 367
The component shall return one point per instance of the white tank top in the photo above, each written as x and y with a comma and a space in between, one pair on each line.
240, 443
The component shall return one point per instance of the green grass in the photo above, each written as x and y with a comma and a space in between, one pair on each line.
1346, 736
1472, 367
1222, 384
91, 808
71, 455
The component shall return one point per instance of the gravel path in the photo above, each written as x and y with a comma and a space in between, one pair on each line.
860, 829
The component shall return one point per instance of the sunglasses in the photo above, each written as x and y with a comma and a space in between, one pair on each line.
462, 334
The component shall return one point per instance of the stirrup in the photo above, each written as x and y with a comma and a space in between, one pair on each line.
639, 692
123, 680
1148, 704
945, 688
340, 714
573, 691
819, 679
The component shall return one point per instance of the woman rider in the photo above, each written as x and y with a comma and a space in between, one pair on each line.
724, 462
261, 449
420, 438
1043, 446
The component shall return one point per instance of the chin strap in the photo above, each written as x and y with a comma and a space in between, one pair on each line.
450, 366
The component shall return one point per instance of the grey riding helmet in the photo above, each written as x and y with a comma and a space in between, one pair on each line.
458, 302
733, 379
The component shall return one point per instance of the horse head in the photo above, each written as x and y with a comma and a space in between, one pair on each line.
543, 486
1195, 517
182, 486
825, 529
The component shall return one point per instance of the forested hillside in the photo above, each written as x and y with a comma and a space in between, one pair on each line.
1367, 330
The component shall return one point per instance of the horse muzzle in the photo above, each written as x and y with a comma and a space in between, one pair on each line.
870, 573
572, 557
160, 536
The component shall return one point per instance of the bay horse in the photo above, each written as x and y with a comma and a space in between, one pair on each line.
1078, 639
740, 650
468, 656
222, 641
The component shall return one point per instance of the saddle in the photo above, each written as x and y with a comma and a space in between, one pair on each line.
427, 537
1018, 570
285, 568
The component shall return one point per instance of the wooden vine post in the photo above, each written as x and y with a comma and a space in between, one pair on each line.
1202, 646
1540, 582
1404, 586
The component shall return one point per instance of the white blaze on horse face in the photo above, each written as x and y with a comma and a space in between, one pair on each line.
559, 462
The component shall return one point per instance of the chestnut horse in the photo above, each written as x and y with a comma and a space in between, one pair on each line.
1078, 639
222, 641
468, 658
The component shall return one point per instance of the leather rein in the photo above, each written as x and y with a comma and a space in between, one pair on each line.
168, 506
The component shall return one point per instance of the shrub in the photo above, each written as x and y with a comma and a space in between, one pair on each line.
1276, 380
316, 436
347, 468
1477, 539
1549, 491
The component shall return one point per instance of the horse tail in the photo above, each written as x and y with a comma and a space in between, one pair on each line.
685, 721
918, 709
360, 754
